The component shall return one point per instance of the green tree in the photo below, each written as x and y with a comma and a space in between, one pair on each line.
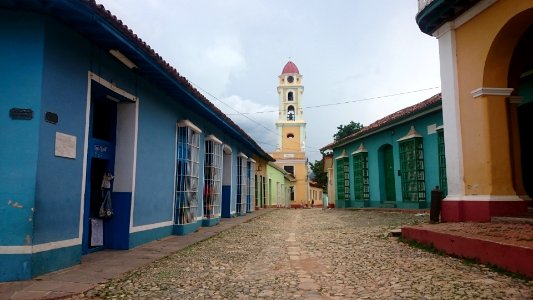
320, 176
346, 130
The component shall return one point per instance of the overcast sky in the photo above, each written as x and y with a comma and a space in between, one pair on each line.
346, 50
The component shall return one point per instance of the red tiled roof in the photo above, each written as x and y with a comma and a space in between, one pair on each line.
290, 68
434, 101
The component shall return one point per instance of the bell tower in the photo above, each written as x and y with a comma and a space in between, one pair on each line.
291, 123
290, 126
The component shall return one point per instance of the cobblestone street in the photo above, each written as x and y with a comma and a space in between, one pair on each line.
313, 254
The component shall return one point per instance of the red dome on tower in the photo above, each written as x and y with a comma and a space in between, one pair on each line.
290, 68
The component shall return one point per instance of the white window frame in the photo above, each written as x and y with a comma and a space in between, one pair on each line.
251, 184
242, 178
212, 195
187, 172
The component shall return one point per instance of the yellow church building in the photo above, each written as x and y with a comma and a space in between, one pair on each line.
486, 59
290, 126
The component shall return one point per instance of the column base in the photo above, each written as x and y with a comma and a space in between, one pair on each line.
481, 208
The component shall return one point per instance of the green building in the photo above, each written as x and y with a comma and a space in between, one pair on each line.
394, 162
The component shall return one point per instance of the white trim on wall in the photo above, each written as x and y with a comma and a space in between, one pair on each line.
151, 226
213, 138
491, 91
39, 247
187, 123
85, 151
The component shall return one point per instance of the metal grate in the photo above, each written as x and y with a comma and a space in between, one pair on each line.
242, 178
212, 179
443, 181
361, 182
412, 170
343, 179
250, 206
187, 175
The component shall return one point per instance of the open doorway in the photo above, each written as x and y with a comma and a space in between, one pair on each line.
111, 129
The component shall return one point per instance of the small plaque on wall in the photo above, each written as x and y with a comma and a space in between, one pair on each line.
21, 114
65, 145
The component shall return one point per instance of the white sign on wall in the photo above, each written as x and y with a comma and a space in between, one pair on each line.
65, 145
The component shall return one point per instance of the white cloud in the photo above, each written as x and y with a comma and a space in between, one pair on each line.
220, 63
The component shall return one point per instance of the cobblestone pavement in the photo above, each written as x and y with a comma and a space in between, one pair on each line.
313, 254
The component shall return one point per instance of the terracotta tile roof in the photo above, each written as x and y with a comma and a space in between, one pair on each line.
391, 119
290, 68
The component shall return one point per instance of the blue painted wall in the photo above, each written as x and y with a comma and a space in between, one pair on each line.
156, 150
46, 68
21, 65
374, 142
64, 92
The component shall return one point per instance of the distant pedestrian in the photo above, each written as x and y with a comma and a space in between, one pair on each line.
312, 203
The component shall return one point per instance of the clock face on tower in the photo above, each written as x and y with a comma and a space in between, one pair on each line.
290, 79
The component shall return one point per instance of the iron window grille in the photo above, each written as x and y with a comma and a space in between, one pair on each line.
187, 164
343, 178
212, 177
360, 174
242, 178
412, 168
251, 185
443, 181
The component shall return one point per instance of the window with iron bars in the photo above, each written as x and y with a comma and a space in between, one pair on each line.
360, 171
412, 170
242, 178
443, 181
187, 164
343, 179
250, 206
212, 178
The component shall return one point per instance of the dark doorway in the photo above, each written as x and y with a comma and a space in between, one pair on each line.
525, 123
100, 159
388, 171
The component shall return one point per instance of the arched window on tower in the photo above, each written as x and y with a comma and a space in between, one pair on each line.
290, 113
290, 96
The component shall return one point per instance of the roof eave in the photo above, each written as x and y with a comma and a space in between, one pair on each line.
438, 12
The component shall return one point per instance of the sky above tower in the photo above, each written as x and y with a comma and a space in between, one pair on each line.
360, 60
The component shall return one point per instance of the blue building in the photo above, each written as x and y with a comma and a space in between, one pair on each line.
82, 96
394, 162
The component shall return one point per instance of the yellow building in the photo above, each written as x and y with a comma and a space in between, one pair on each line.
290, 152
486, 59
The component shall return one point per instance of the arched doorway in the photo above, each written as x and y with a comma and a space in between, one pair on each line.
509, 64
521, 113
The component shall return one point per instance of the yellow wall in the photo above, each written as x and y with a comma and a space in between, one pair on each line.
483, 59
290, 144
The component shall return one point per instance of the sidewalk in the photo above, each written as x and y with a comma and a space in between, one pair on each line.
506, 242
98, 267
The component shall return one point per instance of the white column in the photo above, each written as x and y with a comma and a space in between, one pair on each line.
451, 113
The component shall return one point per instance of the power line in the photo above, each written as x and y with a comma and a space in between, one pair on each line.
244, 115
309, 149
345, 102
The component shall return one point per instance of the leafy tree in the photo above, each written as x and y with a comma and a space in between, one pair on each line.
346, 130
320, 176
